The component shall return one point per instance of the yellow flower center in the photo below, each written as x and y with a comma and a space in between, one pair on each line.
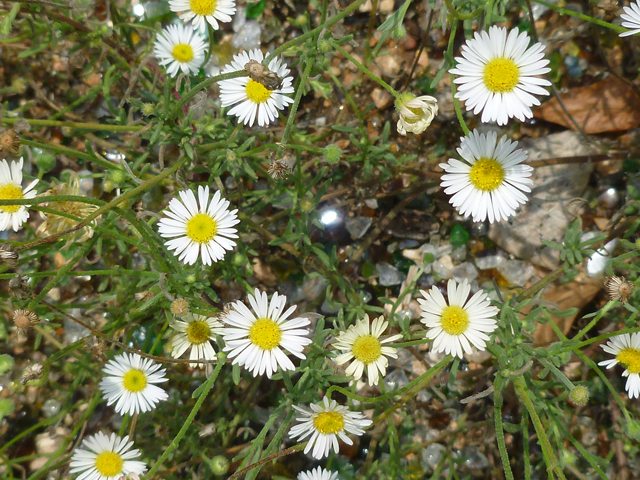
109, 464
10, 192
202, 7
367, 349
501, 75
630, 358
454, 320
265, 333
329, 422
182, 52
416, 111
201, 228
486, 174
256, 92
198, 332
134, 381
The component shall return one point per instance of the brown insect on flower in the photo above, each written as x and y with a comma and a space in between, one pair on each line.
24, 320
9, 142
261, 74
619, 288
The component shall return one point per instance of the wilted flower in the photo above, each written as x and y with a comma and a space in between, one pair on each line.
180, 307
416, 113
24, 320
9, 142
54, 224
619, 288
279, 169
32, 371
8, 255
97, 346
19, 287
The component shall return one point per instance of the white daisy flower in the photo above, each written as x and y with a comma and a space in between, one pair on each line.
454, 327
631, 16
256, 339
366, 347
497, 75
13, 216
416, 113
130, 380
205, 229
199, 12
626, 348
318, 474
326, 422
253, 99
179, 47
103, 457
198, 333
490, 182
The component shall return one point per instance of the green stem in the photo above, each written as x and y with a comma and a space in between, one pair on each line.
595, 320
291, 120
502, 446
425, 379
347, 95
521, 388
364, 69
59, 149
116, 201
597, 339
203, 395
462, 16
63, 445
456, 102
315, 32
536, 287
557, 373
386, 396
201, 86
588, 456
81, 126
82, 273
586, 18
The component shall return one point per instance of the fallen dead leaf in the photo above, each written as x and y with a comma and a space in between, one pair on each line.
607, 106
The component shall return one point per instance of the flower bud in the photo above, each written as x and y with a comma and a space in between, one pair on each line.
332, 153
579, 396
219, 465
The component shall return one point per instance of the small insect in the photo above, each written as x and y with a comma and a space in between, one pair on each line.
261, 74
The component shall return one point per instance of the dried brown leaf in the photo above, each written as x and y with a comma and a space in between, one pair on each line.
607, 106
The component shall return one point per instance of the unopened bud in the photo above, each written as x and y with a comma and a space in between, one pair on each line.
579, 396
